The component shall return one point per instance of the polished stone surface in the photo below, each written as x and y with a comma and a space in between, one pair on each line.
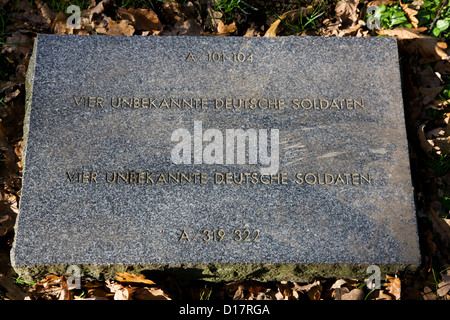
103, 184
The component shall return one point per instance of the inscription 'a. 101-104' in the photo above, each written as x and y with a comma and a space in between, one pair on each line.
215, 56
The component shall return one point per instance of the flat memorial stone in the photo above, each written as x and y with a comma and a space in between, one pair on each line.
219, 158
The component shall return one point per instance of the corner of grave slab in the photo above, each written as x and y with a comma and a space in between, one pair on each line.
37, 273
34, 273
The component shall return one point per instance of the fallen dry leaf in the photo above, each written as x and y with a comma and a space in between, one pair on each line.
339, 283
313, 290
428, 94
141, 19
52, 287
284, 290
443, 67
251, 32
225, 29
351, 31
337, 293
428, 294
410, 14
97, 9
342, 287
279, 295
239, 294
213, 18
171, 11
404, 33
189, 27
98, 293
444, 285
255, 288
435, 133
133, 278
7, 218
380, 295
46, 12
347, 11
394, 286
65, 294
355, 294
120, 292
150, 294
426, 144
118, 29
385, 2
59, 25
269, 294
329, 27
50, 280
272, 31
430, 49
443, 144
9, 90
289, 16
429, 78
249, 289
81, 32
18, 44
417, 4
27, 17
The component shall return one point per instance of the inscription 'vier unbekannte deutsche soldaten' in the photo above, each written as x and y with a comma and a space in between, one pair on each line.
146, 177
282, 178
220, 103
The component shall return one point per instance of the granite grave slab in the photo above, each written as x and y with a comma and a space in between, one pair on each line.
216, 158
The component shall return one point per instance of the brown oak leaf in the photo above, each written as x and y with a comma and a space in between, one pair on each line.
347, 11
403, 33
411, 14
118, 29
141, 19
394, 286
133, 278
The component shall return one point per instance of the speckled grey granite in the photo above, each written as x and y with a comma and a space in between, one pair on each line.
353, 208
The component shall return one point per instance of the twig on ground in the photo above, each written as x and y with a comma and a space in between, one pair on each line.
437, 15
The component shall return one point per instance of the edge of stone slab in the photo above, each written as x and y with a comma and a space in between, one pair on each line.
26, 126
29, 81
185, 38
214, 272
